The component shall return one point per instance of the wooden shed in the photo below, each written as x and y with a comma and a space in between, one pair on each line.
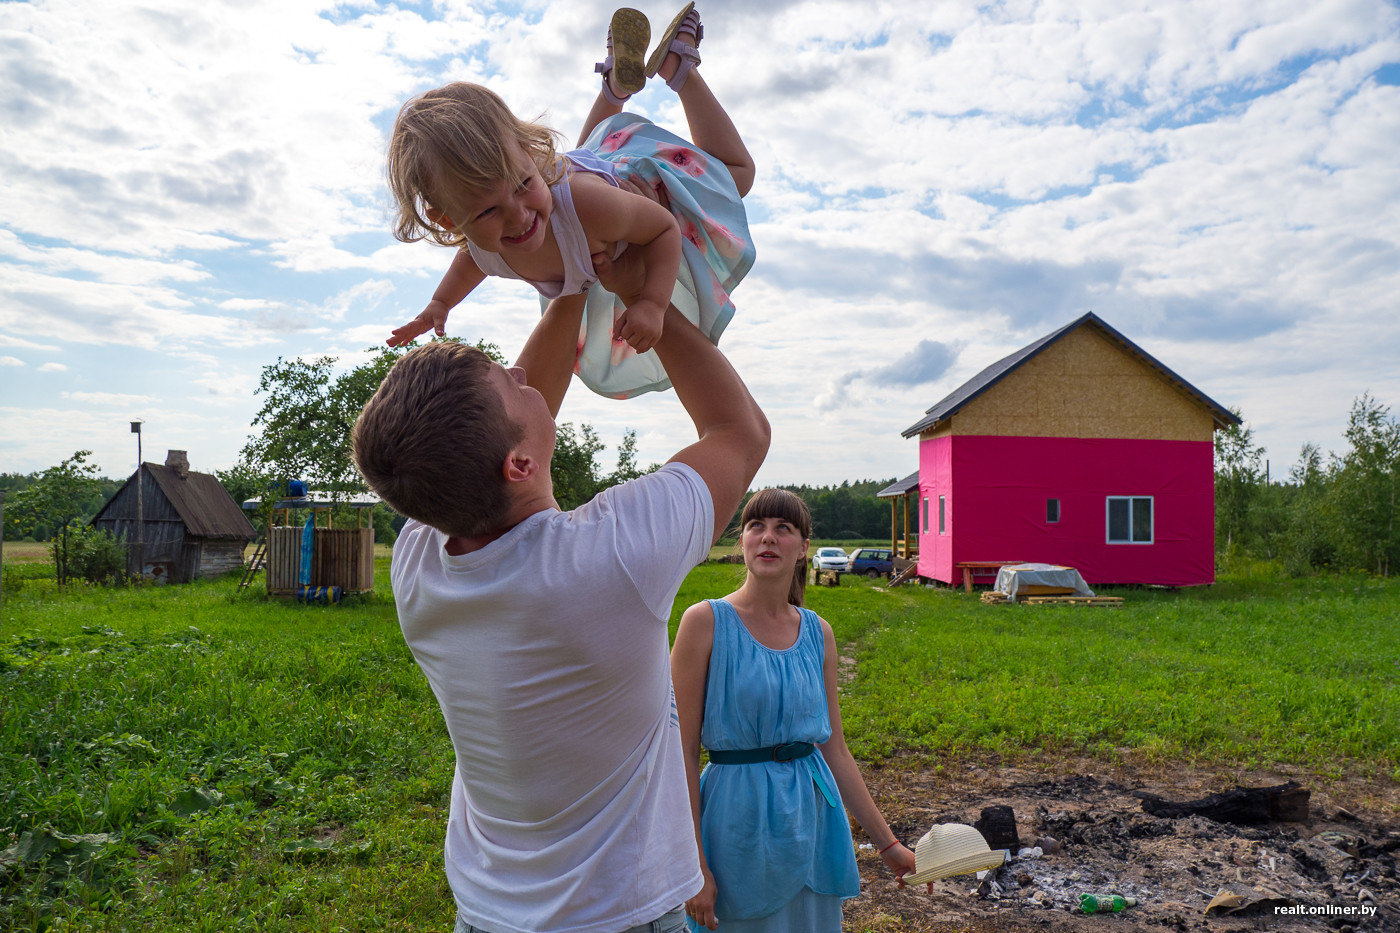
1080, 449
306, 556
186, 524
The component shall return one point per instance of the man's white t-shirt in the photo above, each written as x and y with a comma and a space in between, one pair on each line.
548, 652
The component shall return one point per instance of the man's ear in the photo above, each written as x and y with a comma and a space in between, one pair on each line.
519, 467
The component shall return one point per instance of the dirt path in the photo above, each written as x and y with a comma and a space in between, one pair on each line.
1343, 857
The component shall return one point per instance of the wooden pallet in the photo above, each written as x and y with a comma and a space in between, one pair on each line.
1106, 602
993, 598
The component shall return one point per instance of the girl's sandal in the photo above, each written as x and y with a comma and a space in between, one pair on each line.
687, 21
628, 34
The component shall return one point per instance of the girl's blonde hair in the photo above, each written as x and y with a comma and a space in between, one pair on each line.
453, 141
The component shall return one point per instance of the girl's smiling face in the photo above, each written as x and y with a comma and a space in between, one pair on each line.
771, 545
508, 217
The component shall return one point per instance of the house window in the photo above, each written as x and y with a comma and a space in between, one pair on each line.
1052, 511
1129, 519
925, 514
943, 515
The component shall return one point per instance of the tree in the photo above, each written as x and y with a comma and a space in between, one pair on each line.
305, 420
1364, 487
1238, 475
307, 415
574, 467
309, 410
1308, 540
243, 481
57, 500
627, 462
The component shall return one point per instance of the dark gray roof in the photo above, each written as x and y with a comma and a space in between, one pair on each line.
999, 370
900, 487
204, 506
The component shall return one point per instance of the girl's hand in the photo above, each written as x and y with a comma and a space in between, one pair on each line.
640, 324
900, 860
701, 907
433, 318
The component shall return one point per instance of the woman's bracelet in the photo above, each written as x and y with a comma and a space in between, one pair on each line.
888, 847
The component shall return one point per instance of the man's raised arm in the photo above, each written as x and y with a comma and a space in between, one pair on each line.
733, 430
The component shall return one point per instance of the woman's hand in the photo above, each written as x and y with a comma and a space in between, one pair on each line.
702, 906
900, 860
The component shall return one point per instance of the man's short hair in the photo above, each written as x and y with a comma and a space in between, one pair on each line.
433, 440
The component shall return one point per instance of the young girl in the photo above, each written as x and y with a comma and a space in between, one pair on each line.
755, 682
465, 172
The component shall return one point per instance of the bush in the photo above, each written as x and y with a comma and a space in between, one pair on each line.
96, 556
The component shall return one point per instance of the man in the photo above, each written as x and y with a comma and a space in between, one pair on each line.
544, 633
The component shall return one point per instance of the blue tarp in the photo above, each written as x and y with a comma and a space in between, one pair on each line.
308, 543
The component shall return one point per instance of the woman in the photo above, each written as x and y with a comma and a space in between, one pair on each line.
755, 679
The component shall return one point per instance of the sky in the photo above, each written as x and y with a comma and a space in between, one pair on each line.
191, 191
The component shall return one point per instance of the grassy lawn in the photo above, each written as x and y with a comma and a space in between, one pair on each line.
199, 758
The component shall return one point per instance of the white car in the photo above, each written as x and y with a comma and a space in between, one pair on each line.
830, 558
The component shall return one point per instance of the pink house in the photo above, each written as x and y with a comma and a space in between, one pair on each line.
1080, 449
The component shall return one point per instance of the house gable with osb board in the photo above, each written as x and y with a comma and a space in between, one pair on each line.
1080, 449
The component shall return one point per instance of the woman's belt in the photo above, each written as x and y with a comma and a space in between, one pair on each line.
789, 751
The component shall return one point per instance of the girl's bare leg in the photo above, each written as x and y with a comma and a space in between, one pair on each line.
602, 109
628, 33
710, 127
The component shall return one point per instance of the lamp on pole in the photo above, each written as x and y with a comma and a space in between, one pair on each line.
140, 510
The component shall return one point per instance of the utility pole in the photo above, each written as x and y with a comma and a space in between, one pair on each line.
140, 509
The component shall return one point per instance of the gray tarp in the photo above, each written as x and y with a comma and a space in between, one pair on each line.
1015, 578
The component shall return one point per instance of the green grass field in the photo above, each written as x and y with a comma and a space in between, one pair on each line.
199, 758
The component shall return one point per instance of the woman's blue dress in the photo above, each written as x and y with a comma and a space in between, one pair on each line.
775, 834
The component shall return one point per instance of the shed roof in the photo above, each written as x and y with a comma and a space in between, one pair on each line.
993, 374
202, 503
900, 487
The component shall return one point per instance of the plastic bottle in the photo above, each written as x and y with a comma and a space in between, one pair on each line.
1104, 903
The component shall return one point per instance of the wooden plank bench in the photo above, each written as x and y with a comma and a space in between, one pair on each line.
969, 567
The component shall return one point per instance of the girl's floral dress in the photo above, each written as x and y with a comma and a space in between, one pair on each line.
716, 250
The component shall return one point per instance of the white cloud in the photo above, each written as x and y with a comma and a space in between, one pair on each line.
8, 340
200, 188
10, 361
53, 368
108, 398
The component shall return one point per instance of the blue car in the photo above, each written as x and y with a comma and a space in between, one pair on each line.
872, 561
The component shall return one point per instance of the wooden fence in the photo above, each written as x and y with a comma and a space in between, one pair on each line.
342, 557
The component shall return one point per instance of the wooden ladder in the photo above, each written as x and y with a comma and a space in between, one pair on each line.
254, 565
903, 576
